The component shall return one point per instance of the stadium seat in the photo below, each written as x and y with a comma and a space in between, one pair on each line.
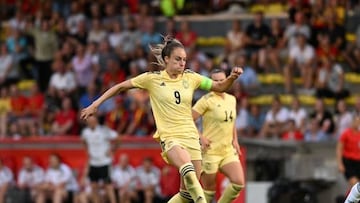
25, 85
350, 37
307, 100
211, 41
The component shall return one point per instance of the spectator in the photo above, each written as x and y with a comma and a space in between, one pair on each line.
255, 121
325, 49
59, 182
148, 177
343, 118
298, 114
116, 36
330, 81
323, 117
81, 35
8, 70
295, 7
132, 36
18, 47
18, 21
348, 151
169, 182
275, 119
140, 60
249, 79
66, 54
47, 122
113, 75
235, 40
19, 104
301, 60
94, 11
335, 31
295, 29
239, 92
35, 107
241, 122
62, 31
5, 109
111, 15
46, 44
75, 17
140, 119
104, 55
93, 52
356, 110
83, 69
62, 81
117, 118
316, 133
276, 45
15, 131
89, 96
65, 121
257, 37
150, 36
124, 178
354, 52
292, 133
186, 35
170, 27
6, 178
96, 33
30, 177
100, 156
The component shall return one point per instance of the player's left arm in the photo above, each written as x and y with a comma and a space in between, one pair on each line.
235, 141
222, 86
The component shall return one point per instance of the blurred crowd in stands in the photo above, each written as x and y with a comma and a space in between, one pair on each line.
75, 50
37, 182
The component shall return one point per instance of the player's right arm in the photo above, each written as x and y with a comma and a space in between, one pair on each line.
141, 81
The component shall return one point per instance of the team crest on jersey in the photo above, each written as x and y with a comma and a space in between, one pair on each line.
185, 84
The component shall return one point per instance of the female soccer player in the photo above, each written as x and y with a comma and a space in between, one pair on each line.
219, 141
171, 92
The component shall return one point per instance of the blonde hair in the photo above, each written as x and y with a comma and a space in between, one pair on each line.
165, 49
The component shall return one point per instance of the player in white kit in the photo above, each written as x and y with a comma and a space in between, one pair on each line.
98, 140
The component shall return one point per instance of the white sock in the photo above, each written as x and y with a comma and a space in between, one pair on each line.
354, 195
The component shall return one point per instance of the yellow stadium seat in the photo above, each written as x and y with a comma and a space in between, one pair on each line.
211, 41
306, 100
350, 37
275, 8
257, 8
352, 78
25, 85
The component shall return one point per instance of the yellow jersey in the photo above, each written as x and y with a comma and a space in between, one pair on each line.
218, 120
5, 106
171, 101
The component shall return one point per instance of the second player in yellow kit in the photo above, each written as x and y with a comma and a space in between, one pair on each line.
219, 141
171, 92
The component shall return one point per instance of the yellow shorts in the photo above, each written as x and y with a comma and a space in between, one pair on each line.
191, 145
212, 163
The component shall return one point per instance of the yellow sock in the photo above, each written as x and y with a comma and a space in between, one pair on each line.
209, 195
192, 184
230, 193
181, 197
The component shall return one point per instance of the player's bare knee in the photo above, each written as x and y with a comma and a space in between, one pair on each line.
237, 181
